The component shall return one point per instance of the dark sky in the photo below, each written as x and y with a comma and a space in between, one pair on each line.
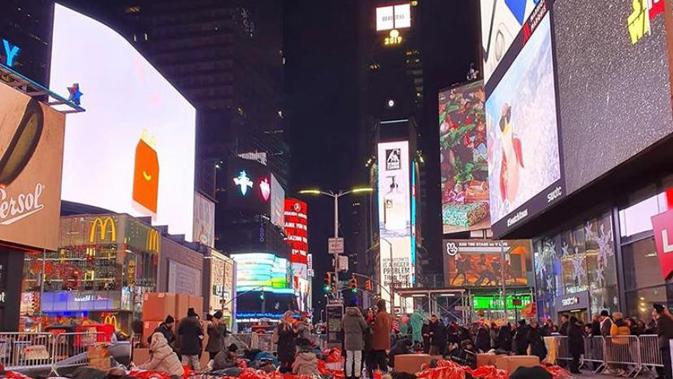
322, 92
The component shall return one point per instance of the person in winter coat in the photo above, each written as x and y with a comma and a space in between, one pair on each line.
165, 328
306, 362
438, 338
217, 331
162, 357
190, 335
354, 328
287, 342
596, 325
521, 338
381, 339
504, 339
606, 323
402, 346
425, 330
370, 357
536, 341
664, 321
575, 343
483, 339
563, 330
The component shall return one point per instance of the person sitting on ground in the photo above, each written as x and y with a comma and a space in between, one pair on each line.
162, 357
306, 362
165, 328
402, 346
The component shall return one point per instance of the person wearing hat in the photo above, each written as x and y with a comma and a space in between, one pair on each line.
165, 328
162, 357
217, 331
190, 335
521, 338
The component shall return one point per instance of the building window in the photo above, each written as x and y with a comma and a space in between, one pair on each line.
637, 218
641, 265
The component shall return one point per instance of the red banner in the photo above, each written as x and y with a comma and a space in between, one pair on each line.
663, 237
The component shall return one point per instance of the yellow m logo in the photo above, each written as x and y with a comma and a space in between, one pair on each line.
103, 224
152, 243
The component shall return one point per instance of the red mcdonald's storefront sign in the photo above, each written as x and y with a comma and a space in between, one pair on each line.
663, 237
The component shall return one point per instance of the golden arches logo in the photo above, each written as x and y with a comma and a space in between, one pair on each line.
111, 319
103, 224
152, 243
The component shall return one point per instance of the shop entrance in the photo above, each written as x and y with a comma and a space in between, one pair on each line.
582, 314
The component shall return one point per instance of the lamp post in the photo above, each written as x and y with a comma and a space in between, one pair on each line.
336, 196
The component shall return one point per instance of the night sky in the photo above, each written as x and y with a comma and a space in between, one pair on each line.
322, 92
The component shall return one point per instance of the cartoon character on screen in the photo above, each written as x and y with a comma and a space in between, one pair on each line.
146, 173
512, 157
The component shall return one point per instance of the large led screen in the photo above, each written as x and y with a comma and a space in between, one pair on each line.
262, 272
394, 203
524, 161
464, 161
501, 22
613, 80
479, 263
132, 151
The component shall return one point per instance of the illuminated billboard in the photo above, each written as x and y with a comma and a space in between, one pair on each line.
132, 151
501, 22
524, 160
296, 229
204, 220
277, 203
479, 263
463, 158
393, 17
262, 272
31, 156
248, 186
394, 205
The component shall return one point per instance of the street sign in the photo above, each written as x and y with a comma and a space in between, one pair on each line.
343, 263
335, 245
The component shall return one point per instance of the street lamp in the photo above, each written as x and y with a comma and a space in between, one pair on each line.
336, 196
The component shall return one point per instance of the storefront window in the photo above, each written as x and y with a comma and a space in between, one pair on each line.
641, 265
637, 218
601, 264
640, 303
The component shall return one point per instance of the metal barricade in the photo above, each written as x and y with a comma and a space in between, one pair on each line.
70, 349
20, 351
594, 352
562, 352
650, 354
623, 353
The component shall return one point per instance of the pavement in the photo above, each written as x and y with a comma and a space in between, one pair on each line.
589, 374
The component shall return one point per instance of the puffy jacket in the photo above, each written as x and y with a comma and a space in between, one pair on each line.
575, 339
162, 357
664, 330
190, 335
354, 327
216, 335
619, 328
305, 363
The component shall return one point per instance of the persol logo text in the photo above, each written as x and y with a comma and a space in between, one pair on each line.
15, 208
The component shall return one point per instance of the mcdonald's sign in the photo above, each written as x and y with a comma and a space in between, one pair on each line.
103, 223
152, 243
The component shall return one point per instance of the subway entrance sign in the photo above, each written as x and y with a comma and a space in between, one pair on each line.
495, 302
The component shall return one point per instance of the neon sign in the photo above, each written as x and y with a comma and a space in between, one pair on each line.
11, 52
265, 188
243, 181
394, 38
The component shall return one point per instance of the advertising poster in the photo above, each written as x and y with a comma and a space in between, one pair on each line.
204, 220
296, 229
394, 194
262, 272
31, 157
464, 161
524, 161
277, 203
248, 186
479, 263
501, 22
184, 279
132, 151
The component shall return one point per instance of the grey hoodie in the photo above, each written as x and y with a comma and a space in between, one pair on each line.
354, 326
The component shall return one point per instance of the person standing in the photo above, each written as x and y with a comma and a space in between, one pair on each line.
354, 328
190, 335
287, 342
575, 344
483, 338
426, 336
216, 333
381, 339
521, 338
437, 336
563, 330
370, 358
166, 328
536, 341
605, 323
504, 339
664, 321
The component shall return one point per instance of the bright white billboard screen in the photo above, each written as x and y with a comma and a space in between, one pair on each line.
132, 151
394, 201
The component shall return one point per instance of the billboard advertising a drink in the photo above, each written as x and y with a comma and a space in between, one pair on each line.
31, 156
463, 158
132, 151
204, 220
479, 263
394, 205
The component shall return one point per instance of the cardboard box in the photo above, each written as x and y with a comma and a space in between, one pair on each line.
196, 302
486, 359
140, 356
148, 329
411, 363
181, 306
97, 351
511, 362
157, 305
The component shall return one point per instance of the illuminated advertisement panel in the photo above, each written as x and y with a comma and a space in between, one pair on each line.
479, 263
31, 156
393, 17
463, 158
132, 151
248, 186
524, 160
501, 22
262, 272
277, 203
397, 266
296, 229
204, 220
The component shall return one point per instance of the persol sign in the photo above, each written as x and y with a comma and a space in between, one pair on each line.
15, 208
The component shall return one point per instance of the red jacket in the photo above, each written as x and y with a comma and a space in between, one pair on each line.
381, 339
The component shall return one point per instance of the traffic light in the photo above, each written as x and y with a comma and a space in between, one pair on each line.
327, 287
368, 285
353, 283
